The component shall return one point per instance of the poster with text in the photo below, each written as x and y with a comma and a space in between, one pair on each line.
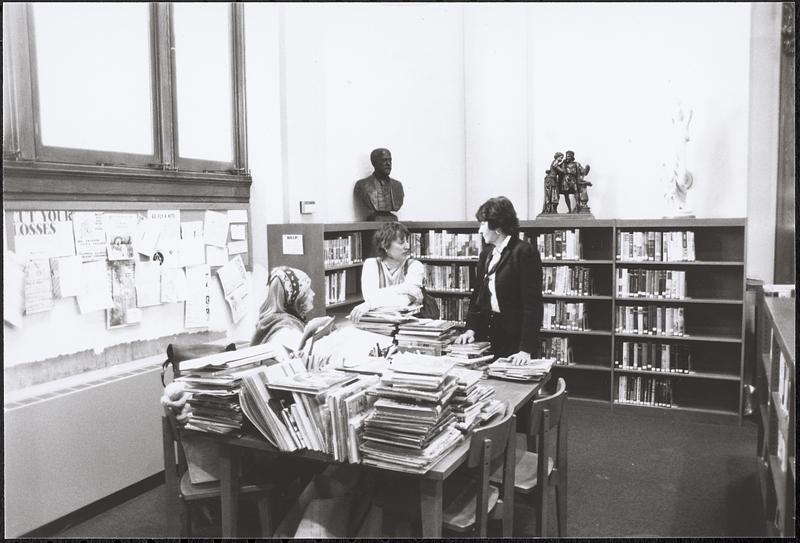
43, 234
120, 229
90, 235
198, 297
123, 311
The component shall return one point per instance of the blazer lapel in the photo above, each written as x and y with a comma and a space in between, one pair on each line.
505, 254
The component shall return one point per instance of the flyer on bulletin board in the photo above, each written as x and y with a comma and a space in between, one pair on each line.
43, 234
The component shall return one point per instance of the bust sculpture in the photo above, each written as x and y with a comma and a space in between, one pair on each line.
379, 194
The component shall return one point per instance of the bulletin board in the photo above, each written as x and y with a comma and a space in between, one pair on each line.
152, 253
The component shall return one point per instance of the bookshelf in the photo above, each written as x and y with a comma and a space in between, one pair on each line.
712, 306
775, 382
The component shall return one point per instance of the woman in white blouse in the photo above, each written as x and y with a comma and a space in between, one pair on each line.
393, 278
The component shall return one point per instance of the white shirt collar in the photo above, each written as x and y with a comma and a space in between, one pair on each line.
499, 248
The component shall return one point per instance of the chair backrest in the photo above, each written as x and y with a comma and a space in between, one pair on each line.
497, 432
490, 446
547, 428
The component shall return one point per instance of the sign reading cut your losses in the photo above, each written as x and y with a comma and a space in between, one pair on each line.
43, 234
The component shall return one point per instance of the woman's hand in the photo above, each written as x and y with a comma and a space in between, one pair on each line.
520, 359
358, 311
467, 337
174, 398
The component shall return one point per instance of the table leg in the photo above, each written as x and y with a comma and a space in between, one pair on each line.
229, 489
430, 494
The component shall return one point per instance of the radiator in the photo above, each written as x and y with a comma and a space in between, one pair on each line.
75, 443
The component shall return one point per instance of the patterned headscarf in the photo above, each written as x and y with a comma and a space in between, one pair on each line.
295, 282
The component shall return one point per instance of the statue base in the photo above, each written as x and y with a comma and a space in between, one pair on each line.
682, 214
583, 214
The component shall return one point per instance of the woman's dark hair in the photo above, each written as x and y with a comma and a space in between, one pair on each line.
499, 213
386, 234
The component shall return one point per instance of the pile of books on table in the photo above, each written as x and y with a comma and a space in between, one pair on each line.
297, 409
474, 355
473, 402
426, 336
412, 425
385, 320
213, 383
534, 370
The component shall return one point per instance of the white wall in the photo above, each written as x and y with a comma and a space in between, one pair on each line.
473, 100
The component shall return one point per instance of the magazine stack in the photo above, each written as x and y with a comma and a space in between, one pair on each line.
426, 336
412, 425
473, 403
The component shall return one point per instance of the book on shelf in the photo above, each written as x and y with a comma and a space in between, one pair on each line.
560, 245
453, 277
650, 320
779, 291
343, 250
663, 357
335, 287
642, 283
446, 244
561, 315
644, 390
567, 280
558, 348
672, 246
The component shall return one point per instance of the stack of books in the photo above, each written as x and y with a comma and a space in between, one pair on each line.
213, 383
470, 355
472, 402
426, 336
412, 425
534, 370
385, 320
348, 407
289, 405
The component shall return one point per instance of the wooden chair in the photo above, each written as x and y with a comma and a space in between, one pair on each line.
469, 499
545, 461
182, 493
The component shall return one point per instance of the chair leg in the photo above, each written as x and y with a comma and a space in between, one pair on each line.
540, 501
265, 503
561, 508
186, 520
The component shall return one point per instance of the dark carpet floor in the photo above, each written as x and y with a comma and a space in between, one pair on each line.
630, 475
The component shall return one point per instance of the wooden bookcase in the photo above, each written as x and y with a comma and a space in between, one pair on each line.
775, 386
713, 304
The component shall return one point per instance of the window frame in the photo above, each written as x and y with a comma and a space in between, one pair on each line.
34, 171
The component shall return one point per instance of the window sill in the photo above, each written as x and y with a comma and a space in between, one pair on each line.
51, 181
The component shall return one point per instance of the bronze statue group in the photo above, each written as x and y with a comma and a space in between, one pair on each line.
566, 176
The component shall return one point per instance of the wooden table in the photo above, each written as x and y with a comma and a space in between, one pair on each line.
430, 484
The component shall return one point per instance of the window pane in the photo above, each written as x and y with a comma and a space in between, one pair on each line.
204, 81
94, 76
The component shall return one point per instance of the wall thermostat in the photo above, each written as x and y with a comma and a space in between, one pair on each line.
307, 206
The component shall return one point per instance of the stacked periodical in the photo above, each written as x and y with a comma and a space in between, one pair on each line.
297, 409
213, 383
426, 336
385, 320
534, 369
473, 403
412, 425
475, 355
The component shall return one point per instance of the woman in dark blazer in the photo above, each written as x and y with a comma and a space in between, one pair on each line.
506, 304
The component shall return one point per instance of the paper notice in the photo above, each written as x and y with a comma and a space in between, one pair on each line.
90, 235
192, 230
238, 301
232, 275
237, 247
168, 253
198, 297
96, 287
43, 234
146, 237
237, 215
120, 230
292, 244
173, 285
148, 284
123, 312
215, 228
67, 276
238, 231
168, 222
13, 289
216, 256
38, 286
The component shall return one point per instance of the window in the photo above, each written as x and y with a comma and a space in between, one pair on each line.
124, 101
